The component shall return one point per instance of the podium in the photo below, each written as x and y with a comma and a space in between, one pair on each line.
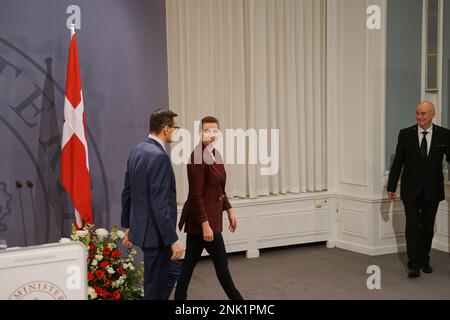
46, 272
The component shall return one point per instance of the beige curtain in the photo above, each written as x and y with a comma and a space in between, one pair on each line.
253, 64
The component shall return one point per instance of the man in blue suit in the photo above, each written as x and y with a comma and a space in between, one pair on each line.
149, 207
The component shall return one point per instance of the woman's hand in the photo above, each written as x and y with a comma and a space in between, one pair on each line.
233, 221
208, 234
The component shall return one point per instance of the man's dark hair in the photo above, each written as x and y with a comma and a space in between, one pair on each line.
209, 119
161, 118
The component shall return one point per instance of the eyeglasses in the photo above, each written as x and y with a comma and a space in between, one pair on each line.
175, 127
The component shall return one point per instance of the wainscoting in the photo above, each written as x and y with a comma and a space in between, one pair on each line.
279, 221
371, 227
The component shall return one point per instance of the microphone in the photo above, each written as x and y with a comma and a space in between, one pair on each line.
30, 185
19, 186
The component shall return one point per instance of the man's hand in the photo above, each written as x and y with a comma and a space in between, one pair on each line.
208, 234
126, 241
233, 221
392, 195
177, 250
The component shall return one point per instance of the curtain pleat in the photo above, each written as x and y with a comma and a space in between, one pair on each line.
254, 64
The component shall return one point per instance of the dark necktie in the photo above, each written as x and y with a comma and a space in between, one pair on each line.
424, 145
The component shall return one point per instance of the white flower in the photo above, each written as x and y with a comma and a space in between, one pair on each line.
132, 267
101, 232
94, 262
110, 270
121, 234
81, 233
113, 235
121, 280
92, 294
99, 257
65, 240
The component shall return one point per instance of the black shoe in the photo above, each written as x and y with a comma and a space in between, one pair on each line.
413, 273
427, 268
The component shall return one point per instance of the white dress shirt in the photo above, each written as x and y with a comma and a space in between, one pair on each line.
159, 141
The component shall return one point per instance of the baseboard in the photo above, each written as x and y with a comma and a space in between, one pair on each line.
441, 246
371, 251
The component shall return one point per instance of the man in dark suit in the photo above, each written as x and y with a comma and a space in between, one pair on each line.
420, 151
149, 207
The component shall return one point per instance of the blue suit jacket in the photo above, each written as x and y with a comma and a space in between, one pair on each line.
149, 207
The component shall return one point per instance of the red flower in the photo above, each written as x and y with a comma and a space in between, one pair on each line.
106, 250
116, 253
104, 264
108, 283
91, 247
116, 295
104, 293
100, 274
90, 276
110, 275
120, 271
98, 290
91, 255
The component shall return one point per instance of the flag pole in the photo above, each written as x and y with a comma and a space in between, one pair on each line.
78, 220
74, 142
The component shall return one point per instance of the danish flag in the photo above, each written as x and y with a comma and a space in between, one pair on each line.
75, 176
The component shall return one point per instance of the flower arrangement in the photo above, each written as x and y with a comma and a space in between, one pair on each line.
112, 275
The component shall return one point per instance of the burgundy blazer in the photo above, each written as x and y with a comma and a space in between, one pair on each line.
207, 198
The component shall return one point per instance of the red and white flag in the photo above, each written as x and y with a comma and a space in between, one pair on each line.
75, 176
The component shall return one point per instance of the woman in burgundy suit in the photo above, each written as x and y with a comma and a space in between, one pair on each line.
203, 210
